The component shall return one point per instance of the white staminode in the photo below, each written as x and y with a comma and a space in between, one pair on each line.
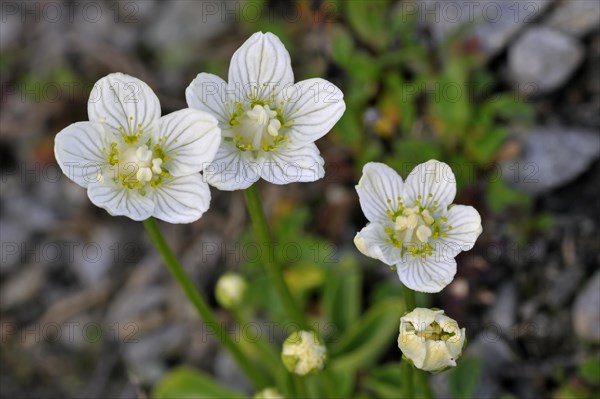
134, 162
430, 340
268, 123
413, 225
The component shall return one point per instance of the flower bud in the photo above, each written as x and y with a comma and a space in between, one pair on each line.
303, 353
268, 393
230, 290
430, 340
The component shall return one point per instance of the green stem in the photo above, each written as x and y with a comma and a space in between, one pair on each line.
205, 312
407, 379
300, 387
424, 384
409, 298
273, 272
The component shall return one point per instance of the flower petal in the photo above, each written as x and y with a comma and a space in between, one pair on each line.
456, 343
183, 200
378, 184
421, 318
208, 93
312, 107
432, 177
190, 138
293, 165
122, 101
431, 274
78, 149
262, 62
232, 169
120, 201
437, 356
371, 241
466, 227
411, 345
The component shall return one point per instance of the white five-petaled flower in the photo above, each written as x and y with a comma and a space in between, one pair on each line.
134, 162
303, 353
268, 123
430, 340
413, 225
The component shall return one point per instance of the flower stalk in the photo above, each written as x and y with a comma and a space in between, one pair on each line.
205, 312
273, 272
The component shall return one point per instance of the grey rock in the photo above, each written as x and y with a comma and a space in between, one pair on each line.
503, 313
81, 331
575, 17
229, 373
145, 356
93, 259
542, 59
10, 29
157, 344
586, 312
495, 354
130, 305
13, 237
187, 21
32, 214
551, 157
494, 23
22, 287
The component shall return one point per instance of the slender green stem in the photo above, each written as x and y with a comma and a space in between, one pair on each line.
424, 383
407, 379
205, 312
330, 385
300, 387
409, 298
273, 272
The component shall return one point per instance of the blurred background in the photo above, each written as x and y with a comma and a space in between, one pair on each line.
506, 92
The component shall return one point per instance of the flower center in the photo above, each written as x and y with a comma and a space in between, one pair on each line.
414, 227
135, 166
433, 332
257, 128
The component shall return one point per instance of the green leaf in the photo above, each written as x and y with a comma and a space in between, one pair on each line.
187, 383
385, 381
342, 294
342, 46
511, 108
464, 378
368, 19
410, 152
369, 336
590, 371
350, 128
483, 149
500, 196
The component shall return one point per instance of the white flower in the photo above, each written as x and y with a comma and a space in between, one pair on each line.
268, 393
230, 290
135, 163
430, 340
413, 225
303, 353
269, 124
